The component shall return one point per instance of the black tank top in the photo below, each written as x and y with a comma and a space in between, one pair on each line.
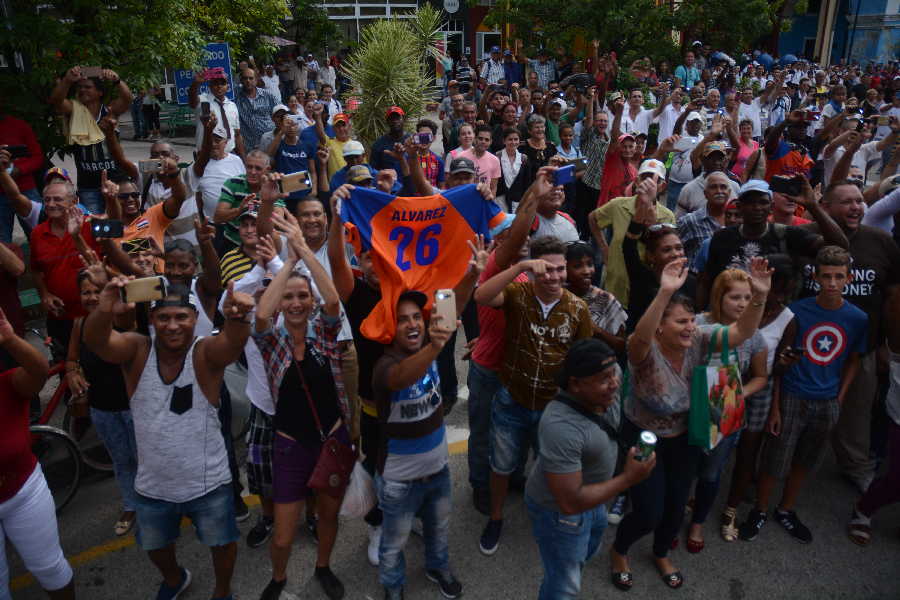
107, 389
292, 413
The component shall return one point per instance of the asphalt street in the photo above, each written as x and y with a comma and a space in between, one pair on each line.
774, 566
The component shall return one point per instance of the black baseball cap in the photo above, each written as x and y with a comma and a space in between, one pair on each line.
586, 357
414, 296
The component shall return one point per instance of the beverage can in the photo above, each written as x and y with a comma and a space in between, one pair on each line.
645, 446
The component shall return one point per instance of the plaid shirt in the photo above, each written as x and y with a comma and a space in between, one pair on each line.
593, 147
546, 72
693, 228
255, 115
432, 167
277, 349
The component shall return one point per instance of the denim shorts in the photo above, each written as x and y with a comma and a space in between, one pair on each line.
159, 521
514, 430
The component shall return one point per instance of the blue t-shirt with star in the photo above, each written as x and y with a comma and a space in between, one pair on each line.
827, 338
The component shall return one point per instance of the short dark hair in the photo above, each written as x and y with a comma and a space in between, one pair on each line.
510, 131
429, 124
679, 300
830, 189
579, 249
832, 256
545, 245
481, 128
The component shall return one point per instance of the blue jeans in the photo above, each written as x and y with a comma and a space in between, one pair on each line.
92, 200
8, 215
116, 429
402, 501
137, 120
709, 473
514, 431
483, 386
673, 190
566, 543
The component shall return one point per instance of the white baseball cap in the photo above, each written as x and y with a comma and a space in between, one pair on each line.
280, 107
353, 148
693, 116
651, 165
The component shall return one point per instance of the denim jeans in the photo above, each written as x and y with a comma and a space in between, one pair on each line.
92, 199
116, 429
673, 191
8, 215
401, 502
137, 120
514, 430
483, 386
709, 474
566, 543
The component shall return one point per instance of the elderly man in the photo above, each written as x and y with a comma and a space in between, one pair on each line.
255, 107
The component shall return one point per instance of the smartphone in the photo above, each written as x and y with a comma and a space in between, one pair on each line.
91, 71
860, 125
153, 165
580, 164
17, 151
564, 175
445, 306
789, 186
204, 110
145, 289
107, 228
294, 182
424, 138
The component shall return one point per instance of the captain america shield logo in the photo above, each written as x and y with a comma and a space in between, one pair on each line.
824, 343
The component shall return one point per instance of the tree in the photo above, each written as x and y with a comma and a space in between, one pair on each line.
311, 28
389, 68
136, 38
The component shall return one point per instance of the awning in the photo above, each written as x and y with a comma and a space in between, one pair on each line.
277, 41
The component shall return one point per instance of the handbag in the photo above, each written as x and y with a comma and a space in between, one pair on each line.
717, 398
331, 474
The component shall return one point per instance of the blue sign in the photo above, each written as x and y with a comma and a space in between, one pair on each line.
214, 55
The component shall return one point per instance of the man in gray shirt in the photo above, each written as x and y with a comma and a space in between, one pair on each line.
572, 477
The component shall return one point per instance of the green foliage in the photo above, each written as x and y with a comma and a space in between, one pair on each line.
311, 28
135, 38
388, 68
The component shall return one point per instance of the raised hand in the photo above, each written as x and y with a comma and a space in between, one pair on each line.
265, 250
270, 191
6, 328
5, 158
74, 221
73, 75
480, 255
237, 305
437, 333
109, 75
109, 189
248, 201
205, 231
111, 296
761, 274
673, 275
807, 197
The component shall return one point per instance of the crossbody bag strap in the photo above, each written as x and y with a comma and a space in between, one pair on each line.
597, 419
312, 405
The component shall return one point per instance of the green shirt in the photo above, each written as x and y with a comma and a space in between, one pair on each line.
234, 191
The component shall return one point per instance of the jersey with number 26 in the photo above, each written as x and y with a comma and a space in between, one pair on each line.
417, 243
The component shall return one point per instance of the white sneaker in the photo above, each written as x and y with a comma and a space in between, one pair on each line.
374, 543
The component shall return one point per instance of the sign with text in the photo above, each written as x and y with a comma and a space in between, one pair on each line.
214, 55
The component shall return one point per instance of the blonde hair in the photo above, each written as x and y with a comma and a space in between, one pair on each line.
723, 283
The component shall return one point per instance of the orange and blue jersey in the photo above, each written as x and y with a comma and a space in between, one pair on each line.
417, 243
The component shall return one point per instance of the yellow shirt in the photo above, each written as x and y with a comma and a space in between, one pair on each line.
336, 160
617, 214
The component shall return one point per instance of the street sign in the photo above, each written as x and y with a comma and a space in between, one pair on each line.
214, 55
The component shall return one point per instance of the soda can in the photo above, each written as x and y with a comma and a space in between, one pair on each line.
645, 446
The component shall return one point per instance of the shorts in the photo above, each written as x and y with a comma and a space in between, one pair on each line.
259, 453
806, 426
514, 430
293, 464
159, 521
756, 411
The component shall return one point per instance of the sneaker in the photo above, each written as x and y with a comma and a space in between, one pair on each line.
374, 543
490, 537
393, 593
789, 521
273, 590
617, 510
261, 532
331, 585
450, 587
311, 527
241, 511
168, 593
481, 500
749, 529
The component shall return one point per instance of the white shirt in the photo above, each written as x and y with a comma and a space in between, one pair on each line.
182, 228
667, 119
881, 214
214, 176
558, 226
271, 84
492, 71
640, 124
682, 171
866, 153
885, 130
231, 110
751, 112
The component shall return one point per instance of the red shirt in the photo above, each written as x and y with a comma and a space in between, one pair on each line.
617, 176
16, 460
59, 261
488, 351
16, 132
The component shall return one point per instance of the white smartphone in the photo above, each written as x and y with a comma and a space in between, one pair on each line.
445, 306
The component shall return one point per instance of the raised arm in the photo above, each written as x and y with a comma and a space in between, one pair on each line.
58, 97
617, 108
639, 343
403, 374
269, 193
210, 280
748, 323
341, 273
29, 377
288, 226
194, 90
99, 335
219, 351
508, 251
831, 232
172, 174
463, 290
205, 151
19, 201
491, 292
108, 126
122, 102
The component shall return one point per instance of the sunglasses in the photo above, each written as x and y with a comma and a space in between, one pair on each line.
662, 227
126, 195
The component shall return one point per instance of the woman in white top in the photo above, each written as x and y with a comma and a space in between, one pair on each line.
466, 142
328, 73
511, 186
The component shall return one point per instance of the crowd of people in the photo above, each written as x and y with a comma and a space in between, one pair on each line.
598, 248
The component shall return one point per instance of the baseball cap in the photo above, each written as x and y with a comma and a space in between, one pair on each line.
694, 116
652, 165
505, 224
214, 73
507, 52
358, 173
340, 117
585, 357
462, 165
755, 185
715, 147
57, 172
415, 296
279, 107
353, 148
697, 43
394, 110
248, 213
495, 49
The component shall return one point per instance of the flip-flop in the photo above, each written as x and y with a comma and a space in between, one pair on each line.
694, 546
123, 527
623, 580
674, 580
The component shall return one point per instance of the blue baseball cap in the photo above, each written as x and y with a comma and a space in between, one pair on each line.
495, 49
505, 224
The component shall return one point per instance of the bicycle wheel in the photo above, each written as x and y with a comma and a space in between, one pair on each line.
60, 461
93, 450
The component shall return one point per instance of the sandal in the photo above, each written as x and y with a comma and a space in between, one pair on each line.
674, 580
729, 527
694, 546
623, 580
123, 526
860, 529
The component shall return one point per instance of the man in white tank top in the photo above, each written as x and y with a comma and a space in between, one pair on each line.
173, 383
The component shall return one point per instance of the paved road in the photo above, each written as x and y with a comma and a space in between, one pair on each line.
774, 566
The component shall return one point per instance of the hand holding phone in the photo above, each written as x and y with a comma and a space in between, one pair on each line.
564, 175
107, 228
154, 165
16, 151
294, 182
445, 307
145, 289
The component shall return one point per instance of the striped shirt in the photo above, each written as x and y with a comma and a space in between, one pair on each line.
546, 72
256, 115
234, 265
593, 147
